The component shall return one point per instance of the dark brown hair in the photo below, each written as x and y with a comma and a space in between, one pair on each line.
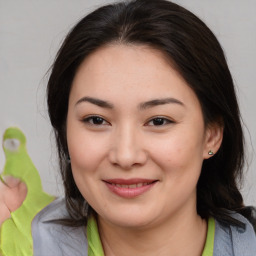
197, 56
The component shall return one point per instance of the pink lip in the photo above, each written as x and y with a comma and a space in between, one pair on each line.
115, 186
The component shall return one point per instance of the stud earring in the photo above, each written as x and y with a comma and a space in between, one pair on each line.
210, 153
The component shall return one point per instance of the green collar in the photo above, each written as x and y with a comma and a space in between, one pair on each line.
95, 246
93, 237
209, 244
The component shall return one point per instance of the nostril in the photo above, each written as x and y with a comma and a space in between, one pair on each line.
127, 150
127, 160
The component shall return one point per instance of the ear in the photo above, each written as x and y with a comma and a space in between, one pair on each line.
213, 139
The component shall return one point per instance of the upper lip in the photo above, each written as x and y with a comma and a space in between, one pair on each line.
129, 181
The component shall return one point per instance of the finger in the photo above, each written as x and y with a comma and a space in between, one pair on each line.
11, 181
23, 190
16, 197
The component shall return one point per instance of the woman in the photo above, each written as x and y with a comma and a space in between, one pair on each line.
149, 138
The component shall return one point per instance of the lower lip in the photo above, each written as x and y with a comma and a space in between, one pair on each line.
129, 192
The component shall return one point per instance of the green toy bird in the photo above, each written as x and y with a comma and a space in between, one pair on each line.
15, 232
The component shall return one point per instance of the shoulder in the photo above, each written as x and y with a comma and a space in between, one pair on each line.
55, 239
233, 240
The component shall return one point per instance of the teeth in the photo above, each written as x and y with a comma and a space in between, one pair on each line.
138, 185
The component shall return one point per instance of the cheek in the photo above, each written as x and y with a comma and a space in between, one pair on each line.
85, 153
85, 148
180, 151
85, 158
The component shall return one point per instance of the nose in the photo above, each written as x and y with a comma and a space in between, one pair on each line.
127, 149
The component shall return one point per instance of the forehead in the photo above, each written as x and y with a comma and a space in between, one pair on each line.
129, 70
119, 57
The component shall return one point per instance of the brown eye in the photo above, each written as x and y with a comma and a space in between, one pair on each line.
159, 121
95, 120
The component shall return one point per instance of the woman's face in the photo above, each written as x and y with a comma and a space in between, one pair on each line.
136, 136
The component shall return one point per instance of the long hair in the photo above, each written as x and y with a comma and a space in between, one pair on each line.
196, 54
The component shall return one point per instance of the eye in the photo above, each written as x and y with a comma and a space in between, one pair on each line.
159, 121
95, 120
12, 144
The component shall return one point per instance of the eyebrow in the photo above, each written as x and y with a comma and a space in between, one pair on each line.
98, 102
142, 106
157, 102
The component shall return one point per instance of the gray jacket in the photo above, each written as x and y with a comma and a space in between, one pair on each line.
57, 240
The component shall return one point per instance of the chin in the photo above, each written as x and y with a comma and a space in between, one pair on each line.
129, 219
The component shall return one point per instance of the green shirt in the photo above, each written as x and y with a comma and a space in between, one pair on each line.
95, 246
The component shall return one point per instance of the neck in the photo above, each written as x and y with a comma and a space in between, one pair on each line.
180, 235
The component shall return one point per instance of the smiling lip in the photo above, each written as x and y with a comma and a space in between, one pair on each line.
129, 188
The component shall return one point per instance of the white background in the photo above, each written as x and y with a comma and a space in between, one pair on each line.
31, 32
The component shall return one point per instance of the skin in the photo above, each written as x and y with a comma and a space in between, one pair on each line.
12, 194
126, 143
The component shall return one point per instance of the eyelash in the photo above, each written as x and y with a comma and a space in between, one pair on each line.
161, 121
90, 120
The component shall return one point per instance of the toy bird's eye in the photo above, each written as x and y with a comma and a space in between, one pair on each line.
11, 144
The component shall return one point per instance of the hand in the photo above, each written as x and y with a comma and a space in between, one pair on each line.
12, 194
